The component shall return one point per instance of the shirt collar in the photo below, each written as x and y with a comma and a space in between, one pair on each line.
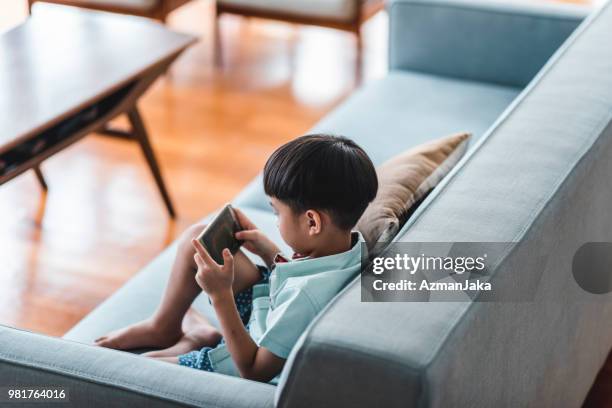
304, 266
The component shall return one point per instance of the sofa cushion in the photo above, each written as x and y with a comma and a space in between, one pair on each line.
445, 37
540, 182
339, 10
138, 298
403, 110
403, 181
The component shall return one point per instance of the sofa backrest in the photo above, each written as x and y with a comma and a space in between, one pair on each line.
445, 37
541, 180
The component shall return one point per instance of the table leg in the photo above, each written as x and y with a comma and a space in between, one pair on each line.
40, 178
141, 136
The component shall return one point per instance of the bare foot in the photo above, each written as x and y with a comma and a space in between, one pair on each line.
171, 360
140, 335
198, 333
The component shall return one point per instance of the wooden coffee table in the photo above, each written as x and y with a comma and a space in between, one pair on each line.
65, 73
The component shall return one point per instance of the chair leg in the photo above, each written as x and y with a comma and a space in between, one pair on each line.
218, 46
41, 178
163, 14
359, 56
30, 4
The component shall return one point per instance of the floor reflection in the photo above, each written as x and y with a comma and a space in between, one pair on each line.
102, 219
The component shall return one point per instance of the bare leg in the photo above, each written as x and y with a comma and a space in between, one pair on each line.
163, 329
198, 333
171, 360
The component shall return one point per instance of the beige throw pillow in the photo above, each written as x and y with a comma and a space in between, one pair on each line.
403, 182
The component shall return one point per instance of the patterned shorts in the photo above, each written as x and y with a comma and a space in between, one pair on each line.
244, 303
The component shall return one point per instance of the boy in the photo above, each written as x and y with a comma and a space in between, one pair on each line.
318, 186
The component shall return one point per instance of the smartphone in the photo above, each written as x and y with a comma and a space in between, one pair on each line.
220, 234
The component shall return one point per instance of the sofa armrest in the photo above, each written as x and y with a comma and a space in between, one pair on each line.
480, 40
98, 377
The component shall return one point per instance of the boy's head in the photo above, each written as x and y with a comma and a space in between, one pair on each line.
318, 185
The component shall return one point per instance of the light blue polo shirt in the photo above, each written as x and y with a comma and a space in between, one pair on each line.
297, 292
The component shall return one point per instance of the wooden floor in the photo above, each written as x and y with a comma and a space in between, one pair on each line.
102, 220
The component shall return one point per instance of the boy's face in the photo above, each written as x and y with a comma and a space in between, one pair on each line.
295, 229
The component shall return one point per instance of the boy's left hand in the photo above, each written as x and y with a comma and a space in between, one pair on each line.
213, 278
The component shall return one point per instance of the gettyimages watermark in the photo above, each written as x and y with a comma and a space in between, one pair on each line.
465, 271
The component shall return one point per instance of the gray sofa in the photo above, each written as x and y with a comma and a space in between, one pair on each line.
537, 175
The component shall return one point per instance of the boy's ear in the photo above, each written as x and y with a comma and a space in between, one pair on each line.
313, 218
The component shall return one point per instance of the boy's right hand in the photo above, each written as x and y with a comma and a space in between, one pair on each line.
254, 240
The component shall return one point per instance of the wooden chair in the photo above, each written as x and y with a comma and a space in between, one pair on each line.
155, 9
346, 15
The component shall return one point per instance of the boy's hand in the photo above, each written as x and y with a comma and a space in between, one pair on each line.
213, 278
255, 240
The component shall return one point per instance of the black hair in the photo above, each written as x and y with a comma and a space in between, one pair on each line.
322, 172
